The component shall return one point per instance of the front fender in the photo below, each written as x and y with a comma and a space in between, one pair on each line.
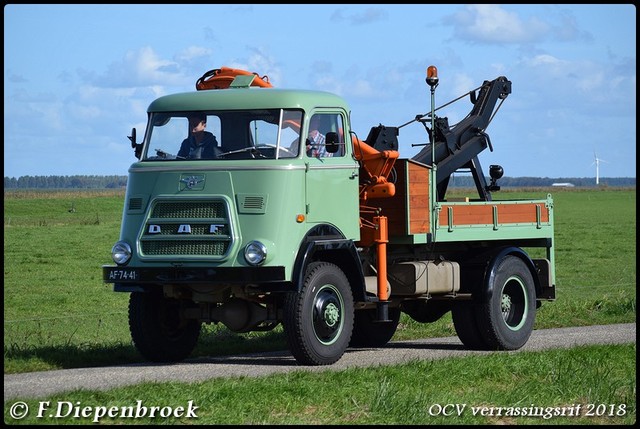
326, 243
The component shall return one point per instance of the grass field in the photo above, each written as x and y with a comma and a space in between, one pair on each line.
59, 314
588, 385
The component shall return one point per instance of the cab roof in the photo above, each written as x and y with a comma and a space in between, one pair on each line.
247, 98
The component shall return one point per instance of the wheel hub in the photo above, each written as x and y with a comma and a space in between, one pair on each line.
331, 314
326, 315
505, 305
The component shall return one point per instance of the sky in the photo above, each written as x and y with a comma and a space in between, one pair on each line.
77, 78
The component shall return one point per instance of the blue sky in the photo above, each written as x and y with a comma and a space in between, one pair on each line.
77, 78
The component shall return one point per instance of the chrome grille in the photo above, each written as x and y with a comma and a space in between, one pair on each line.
195, 248
187, 228
195, 209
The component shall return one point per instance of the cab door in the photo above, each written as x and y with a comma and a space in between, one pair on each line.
332, 175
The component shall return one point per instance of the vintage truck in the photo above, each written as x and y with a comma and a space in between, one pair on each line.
333, 247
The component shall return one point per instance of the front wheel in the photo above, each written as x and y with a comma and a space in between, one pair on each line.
318, 320
158, 329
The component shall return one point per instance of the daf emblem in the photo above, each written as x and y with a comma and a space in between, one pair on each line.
192, 181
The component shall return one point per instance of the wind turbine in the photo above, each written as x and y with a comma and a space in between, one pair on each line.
597, 162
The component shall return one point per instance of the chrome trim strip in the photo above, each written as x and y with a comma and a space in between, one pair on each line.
207, 168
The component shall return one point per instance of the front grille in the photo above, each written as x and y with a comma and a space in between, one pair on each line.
187, 228
193, 209
193, 248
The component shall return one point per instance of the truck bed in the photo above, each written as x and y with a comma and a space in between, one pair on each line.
410, 218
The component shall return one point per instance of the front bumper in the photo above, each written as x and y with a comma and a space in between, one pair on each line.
138, 276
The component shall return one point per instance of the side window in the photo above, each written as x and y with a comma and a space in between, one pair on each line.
337, 127
326, 136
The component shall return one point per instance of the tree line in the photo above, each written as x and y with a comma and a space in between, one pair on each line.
115, 182
65, 182
528, 182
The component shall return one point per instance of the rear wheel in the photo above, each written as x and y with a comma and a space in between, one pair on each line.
464, 321
318, 320
158, 329
507, 315
503, 318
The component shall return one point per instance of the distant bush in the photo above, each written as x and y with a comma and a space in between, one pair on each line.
457, 181
65, 182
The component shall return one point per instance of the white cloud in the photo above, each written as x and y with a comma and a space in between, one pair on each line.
142, 67
362, 17
491, 23
191, 53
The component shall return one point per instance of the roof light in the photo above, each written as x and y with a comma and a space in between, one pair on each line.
432, 76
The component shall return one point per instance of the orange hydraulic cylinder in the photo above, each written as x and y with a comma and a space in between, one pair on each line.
382, 238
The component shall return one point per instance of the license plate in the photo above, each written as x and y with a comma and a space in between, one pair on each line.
123, 274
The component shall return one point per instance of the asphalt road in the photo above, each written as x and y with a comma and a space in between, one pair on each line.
43, 384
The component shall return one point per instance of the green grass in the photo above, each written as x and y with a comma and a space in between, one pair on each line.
600, 379
59, 314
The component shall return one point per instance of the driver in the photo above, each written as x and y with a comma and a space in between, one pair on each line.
200, 144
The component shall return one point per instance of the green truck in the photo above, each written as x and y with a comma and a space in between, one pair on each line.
334, 238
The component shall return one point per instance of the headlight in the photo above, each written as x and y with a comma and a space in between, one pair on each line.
255, 253
121, 253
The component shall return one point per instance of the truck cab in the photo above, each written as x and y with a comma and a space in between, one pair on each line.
226, 236
263, 187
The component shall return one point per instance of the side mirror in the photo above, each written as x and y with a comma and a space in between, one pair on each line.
132, 137
332, 142
137, 147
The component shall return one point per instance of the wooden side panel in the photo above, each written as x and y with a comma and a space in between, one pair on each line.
418, 198
521, 213
467, 215
505, 213
408, 210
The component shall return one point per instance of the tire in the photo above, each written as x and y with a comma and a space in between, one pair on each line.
158, 330
369, 333
507, 314
464, 321
318, 320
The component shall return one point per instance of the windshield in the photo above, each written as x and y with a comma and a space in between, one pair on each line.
206, 135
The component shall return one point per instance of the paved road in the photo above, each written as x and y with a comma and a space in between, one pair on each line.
42, 384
